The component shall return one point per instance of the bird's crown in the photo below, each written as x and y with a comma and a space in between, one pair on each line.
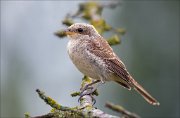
81, 28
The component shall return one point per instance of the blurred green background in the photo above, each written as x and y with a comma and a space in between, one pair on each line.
32, 57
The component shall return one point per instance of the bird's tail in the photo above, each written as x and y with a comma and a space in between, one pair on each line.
144, 93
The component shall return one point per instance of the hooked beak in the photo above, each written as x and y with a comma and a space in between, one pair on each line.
69, 32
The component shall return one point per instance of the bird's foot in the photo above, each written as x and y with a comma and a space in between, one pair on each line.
88, 90
82, 95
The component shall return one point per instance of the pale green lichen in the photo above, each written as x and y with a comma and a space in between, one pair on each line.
86, 80
60, 33
75, 94
114, 40
121, 31
48, 100
100, 25
27, 115
56, 106
89, 8
67, 22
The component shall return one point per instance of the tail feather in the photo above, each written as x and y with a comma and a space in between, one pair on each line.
144, 93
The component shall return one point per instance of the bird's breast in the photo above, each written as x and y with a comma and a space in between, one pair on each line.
81, 59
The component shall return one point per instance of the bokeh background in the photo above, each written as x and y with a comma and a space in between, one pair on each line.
33, 57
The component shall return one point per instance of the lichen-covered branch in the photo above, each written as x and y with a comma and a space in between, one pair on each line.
86, 102
85, 110
58, 110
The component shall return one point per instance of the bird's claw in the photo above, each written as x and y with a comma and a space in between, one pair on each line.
86, 88
87, 93
93, 99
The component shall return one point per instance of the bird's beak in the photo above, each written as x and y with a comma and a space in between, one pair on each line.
68, 32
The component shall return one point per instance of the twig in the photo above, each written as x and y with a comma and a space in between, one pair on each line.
121, 110
57, 106
85, 110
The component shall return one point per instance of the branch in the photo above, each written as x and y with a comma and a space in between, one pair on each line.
120, 109
86, 102
86, 108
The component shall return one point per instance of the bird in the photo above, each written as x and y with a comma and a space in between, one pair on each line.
94, 57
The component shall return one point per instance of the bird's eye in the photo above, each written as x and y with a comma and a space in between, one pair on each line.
80, 30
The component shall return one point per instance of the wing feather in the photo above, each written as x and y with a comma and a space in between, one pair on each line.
100, 48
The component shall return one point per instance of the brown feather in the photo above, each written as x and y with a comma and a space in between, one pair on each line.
100, 47
124, 84
144, 93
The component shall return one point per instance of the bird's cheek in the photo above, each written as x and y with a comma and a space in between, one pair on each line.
73, 36
69, 36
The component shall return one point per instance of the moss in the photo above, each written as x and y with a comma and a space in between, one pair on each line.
75, 94
67, 22
86, 80
88, 8
27, 115
95, 93
114, 40
60, 33
121, 31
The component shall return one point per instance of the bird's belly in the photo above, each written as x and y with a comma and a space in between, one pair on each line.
85, 66
83, 63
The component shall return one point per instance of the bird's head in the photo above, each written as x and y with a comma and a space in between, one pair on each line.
81, 29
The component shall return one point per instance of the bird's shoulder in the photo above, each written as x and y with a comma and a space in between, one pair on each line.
100, 47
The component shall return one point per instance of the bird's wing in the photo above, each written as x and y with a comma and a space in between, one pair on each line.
100, 48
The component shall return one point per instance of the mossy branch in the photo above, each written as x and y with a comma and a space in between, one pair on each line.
85, 110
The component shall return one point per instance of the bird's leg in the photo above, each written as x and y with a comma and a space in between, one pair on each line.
89, 86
